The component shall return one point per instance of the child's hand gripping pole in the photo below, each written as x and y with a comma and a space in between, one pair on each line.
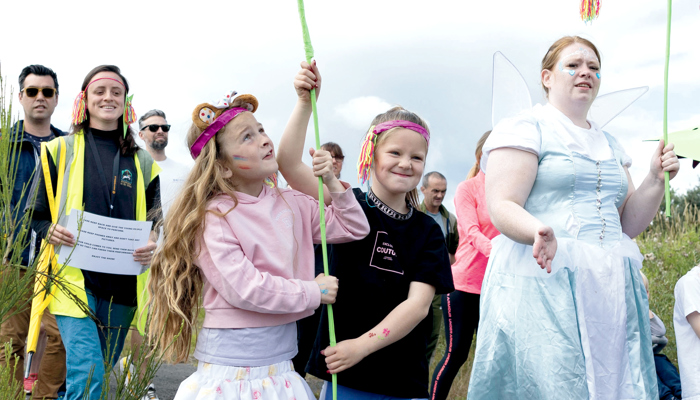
308, 48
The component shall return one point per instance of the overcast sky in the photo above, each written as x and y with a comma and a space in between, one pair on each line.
433, 58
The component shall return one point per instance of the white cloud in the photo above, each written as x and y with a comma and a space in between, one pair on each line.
432, 58
358, 112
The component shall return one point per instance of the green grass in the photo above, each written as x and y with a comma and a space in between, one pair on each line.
671, 247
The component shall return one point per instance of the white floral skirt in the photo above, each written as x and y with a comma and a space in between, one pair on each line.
273, 382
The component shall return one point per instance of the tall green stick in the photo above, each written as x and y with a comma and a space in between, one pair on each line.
309, 49
667, 188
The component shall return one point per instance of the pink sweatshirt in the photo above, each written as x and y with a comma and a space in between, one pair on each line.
258, 260
475, 234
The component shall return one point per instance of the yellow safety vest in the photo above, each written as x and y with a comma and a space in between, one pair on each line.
72, 197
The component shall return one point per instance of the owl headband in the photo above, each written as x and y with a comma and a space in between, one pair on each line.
80, 108
364, 164
210, 118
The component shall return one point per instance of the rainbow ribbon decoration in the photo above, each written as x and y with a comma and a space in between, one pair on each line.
590, 10
129, 113
364, 163
309, 50
667, 178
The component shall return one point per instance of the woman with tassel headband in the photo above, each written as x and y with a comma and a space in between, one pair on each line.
107, 174
390, 277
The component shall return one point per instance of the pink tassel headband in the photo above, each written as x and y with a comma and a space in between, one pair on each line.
80, 108
364, 163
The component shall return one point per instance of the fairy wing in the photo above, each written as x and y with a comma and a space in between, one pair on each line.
510, 94
608, 106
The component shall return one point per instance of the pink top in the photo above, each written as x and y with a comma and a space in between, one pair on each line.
257, 261
475, 234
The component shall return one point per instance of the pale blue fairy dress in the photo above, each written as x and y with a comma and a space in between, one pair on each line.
581, 332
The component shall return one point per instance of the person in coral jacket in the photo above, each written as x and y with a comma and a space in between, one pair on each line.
460, 308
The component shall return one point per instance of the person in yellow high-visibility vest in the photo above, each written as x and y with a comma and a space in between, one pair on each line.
107, 174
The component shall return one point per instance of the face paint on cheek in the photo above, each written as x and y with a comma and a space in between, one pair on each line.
562, 69
597, 75
239, 158
243, 167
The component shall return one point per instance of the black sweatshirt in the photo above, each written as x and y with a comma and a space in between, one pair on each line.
120, 288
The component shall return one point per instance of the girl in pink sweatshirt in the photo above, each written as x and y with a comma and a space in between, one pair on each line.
244, 249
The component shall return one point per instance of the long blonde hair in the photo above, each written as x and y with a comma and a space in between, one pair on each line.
175, 283
478, 153
393, 114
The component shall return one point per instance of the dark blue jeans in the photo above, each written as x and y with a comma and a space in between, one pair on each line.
668, 378
89, 347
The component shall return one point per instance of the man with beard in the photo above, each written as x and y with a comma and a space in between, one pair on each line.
153, 130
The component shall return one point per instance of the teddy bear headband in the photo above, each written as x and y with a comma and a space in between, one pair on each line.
80, 108
210, 118
364, 164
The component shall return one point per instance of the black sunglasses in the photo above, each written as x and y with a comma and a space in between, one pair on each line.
154, 127
34, 91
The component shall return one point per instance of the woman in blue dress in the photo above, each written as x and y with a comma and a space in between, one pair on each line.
564, 313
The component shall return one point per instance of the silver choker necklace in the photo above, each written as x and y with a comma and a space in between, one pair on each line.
388, 210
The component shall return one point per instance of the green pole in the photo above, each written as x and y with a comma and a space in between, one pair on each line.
308, 48
667, 188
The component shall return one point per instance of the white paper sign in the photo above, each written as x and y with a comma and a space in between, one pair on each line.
105, 244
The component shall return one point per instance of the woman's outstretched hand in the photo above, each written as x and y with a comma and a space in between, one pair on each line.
545, 247
306, 79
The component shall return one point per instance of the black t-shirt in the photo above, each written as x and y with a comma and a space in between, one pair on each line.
375, 274
96, 195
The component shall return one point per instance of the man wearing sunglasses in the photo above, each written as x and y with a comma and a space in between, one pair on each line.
154, 130
38, 96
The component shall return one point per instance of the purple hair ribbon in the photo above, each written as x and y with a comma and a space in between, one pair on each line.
213, 128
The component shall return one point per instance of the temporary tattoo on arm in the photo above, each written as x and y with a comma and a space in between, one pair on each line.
380, 337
